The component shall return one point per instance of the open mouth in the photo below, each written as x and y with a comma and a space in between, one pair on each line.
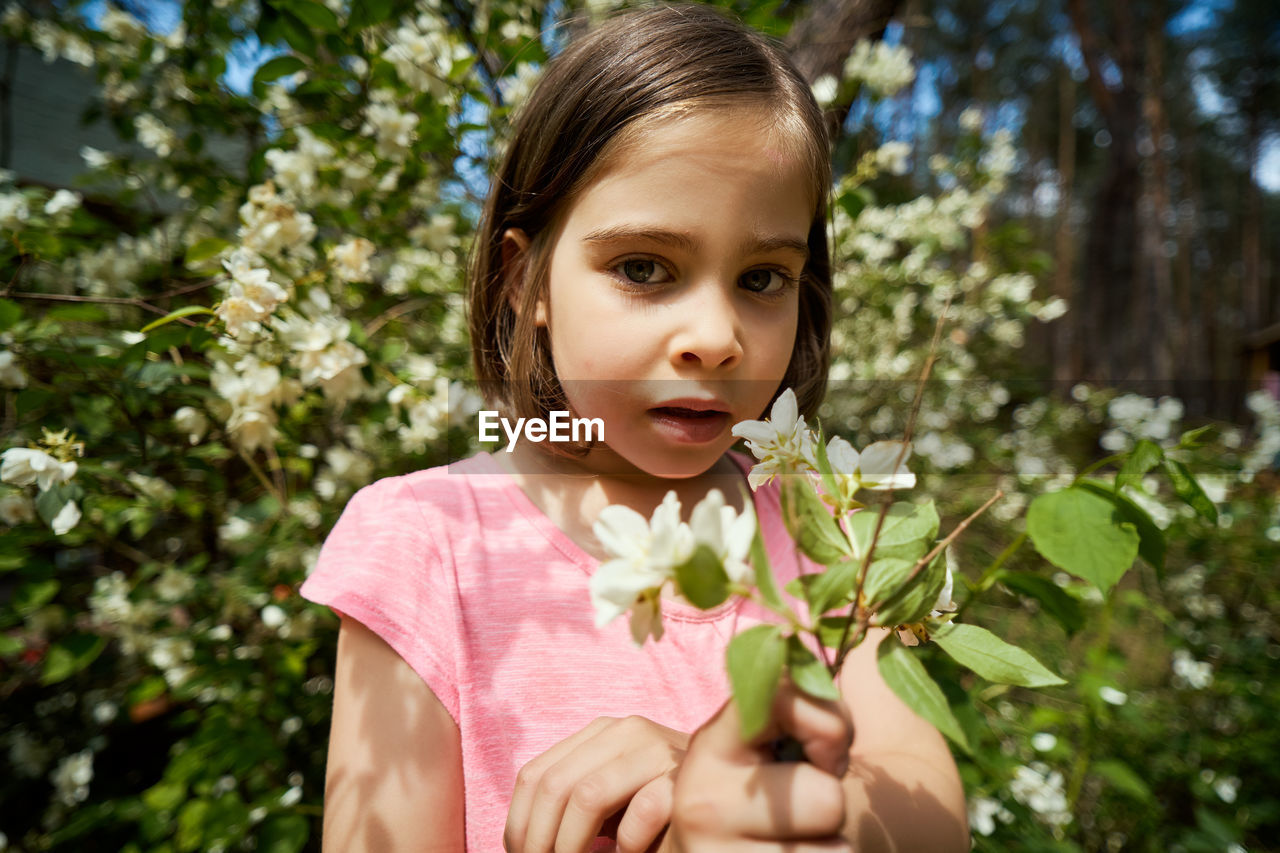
680, 412
690, 426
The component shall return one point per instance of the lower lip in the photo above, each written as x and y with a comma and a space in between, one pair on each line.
689, 429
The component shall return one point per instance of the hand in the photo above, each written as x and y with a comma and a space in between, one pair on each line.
615, 772
735, 796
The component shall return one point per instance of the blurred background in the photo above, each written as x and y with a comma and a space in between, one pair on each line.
231, 284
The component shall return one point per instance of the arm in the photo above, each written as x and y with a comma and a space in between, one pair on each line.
902, 791
394, 776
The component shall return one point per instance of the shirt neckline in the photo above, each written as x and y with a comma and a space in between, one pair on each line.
673, 608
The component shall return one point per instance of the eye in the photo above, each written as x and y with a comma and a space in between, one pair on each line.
643, 271
765, 281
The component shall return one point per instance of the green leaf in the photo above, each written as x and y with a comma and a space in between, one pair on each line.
832, 588
1123, 779
283, 833
165, 796
70, 655
297, 34
367, 13
315, 15
810, 522
906, 534
702, 579
1055, 601
1146, 454
10, 314
33, 595
1186, 487
909, 681
824, 465
764, 573
191, 822
1151, 544
913, 602
10, 646
1193, 438
831, 629
1083, 533
185, 311
755, 659
991, 657
269, 71
211, 247
809, 673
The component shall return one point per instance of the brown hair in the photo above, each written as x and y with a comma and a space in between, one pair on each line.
637, 66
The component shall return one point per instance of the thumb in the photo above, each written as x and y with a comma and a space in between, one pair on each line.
822, 727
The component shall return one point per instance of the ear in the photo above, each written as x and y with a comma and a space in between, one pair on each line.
515, 258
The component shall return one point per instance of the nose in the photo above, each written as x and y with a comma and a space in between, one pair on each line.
710, 331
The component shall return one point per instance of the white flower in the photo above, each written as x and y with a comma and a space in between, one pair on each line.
16, 508
1112, 696
880, 466
191, 421
273, 616
885, 68
351, 259
1227, 788
824, 89
727, 533
1041, 790
645, 554
1043, 741
11, 375
944, 604
982, 814
291, 796
174, 584
72, 777
154, 134
781, 443
67, 518
60, 201
23, 466
970, 120
892, 157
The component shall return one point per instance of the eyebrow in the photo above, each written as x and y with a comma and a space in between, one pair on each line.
685, 241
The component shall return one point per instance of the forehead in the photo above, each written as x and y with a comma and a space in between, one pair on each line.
777, 139
684, 162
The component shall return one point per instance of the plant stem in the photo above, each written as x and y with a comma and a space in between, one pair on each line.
1089, 469
988, 575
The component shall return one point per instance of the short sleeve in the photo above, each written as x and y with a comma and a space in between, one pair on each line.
381, 566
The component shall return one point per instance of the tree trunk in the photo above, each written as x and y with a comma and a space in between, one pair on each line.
1110, 272
1154, 312
822, 38
1067, 359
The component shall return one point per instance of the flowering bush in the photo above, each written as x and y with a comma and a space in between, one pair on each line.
253, 306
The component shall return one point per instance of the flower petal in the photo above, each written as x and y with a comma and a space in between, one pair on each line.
784, 413
705, 521
623, 531
884, 465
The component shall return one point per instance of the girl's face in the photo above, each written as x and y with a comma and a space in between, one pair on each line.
673, 297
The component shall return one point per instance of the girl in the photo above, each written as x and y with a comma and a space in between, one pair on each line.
653, 254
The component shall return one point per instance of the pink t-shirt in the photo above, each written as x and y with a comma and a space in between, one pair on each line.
487, 600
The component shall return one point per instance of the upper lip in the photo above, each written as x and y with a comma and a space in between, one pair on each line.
695, 404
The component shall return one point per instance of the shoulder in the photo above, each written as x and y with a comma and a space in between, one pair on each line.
416, 495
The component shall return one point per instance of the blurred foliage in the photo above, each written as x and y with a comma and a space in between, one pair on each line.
164, 687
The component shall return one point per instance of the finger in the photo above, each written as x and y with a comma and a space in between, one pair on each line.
600, 779
791, 801
529, 778
647, 814
822, 726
